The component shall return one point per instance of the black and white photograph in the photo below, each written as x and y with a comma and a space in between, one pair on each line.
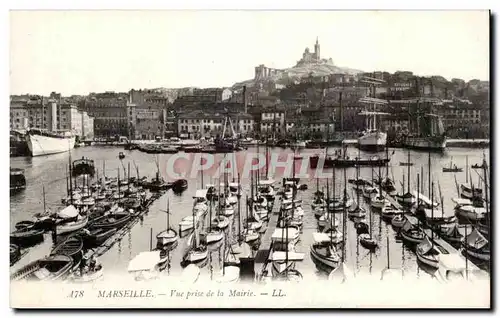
250, 159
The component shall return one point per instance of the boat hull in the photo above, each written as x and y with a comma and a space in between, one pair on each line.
412, 239
429, 261
39, 145
425, 143
331, 262
373, 141
195, 256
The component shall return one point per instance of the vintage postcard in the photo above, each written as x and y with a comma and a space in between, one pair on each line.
250, 159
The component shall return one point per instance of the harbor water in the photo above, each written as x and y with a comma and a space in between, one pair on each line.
49, 172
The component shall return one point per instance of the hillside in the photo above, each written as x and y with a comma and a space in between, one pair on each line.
300, 71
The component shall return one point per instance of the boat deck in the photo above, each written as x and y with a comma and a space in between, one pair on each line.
262, 255
414, 221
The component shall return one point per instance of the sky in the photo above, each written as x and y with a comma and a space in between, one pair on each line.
77, 52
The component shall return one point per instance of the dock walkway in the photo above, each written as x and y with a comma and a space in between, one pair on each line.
262, 255
439, 241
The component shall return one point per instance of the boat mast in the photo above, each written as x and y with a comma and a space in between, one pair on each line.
344, 218
357, 185
466, 169
432, 211
422, 176
429, 173
195, 223
43, 192
202, 184
210, 217
485, 167
267, 158
70, 179
418, 190
128, 176
380, 181
118, 184
332, 215
67, 184
409, 171
239, 207
168, 215
246, 212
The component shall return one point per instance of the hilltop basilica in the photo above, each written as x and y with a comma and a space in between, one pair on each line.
262, 72
313, 58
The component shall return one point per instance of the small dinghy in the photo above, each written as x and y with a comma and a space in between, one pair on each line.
369, 192
53, 267
72, 247
367, 241
166, 237
220, 221
323, 250
388, 213
27, 236
250, 235
357, 212
169, 235
227, 210
411, 234
407, 199
95, 237
196, 254
470, 212
69, 220
379, 202
429, 253
477, 246
114, 220
212, 235
398, 221
24, 225
451, 234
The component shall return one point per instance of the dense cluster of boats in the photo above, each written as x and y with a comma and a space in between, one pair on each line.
421, 223
95, 212
92, 213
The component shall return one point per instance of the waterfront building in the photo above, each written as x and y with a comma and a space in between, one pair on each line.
146, 120
272, 120
51, 114
218, 94
201, 123
109, 110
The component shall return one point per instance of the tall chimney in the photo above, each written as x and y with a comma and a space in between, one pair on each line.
341, 113
245, 98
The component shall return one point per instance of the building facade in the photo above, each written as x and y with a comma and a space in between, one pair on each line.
197, 124
52, 115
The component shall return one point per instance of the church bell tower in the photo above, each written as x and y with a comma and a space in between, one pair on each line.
317, 50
